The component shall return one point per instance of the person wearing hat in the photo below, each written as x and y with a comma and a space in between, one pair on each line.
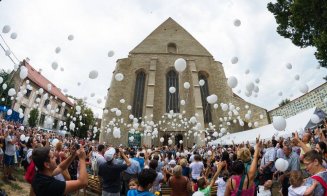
110, 172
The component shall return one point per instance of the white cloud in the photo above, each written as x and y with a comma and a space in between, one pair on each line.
120, 25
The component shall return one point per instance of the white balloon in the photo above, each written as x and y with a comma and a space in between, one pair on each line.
297, 77
118, 113
315, 119
111, 53
54, 65
249, 86
11, 92
247, 71
280, 165
201, 82
122, 101
234, 60
280, 94
119, 77
182, 102
57, 50
162, 139
9, 112
129, 107
54, 142
172, 90
232, 82
224, 107
279, 123
93, 74
170, 141
180, 141
187, 85
180, 64
212, 99
237, 22
1, 80
304, 88
22, 137
215, 106
257, 80
13, 36
6, 29
23, 72
289, 66
70, 37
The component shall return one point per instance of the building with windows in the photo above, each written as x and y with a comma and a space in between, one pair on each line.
149, 75
50, 101
314, 98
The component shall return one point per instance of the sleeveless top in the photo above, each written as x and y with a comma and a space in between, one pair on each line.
247, 192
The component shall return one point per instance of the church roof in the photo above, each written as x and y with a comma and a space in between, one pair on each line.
170, 32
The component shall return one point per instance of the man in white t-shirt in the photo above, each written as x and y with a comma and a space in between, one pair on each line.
10, 151
196, 167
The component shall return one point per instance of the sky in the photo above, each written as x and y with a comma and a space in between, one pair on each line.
120, 25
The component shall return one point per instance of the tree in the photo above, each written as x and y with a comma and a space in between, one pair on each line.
4, 93
34, 116
284, 102
83, 121
304, 22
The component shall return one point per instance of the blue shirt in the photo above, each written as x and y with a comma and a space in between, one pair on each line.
141, 162
134, 168
139, 193
319, 190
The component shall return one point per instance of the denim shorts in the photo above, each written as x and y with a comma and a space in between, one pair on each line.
9, 160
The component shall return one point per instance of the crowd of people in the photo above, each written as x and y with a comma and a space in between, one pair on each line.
62, 167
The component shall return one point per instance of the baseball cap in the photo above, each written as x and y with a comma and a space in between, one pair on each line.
109, 154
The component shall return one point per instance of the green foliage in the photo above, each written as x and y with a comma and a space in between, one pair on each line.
304, 22
86, 117
4, 93
33, 119
284, 102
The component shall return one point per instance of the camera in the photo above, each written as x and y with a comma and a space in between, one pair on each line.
77, 146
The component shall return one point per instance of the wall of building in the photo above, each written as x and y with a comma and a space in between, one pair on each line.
314, 98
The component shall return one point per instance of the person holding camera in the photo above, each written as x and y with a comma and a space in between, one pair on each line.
110, 172
44, 182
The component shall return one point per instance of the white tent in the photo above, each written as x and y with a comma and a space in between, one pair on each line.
298, 123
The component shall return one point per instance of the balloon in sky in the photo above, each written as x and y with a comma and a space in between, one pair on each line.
234, 60
6, 29
279, 123
232, 81
13, 36
237, 23
111, 53
70, 37
54, 65
119, 77
180, 65
93, 74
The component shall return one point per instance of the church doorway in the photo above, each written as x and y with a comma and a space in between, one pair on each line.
166, 137
178, 137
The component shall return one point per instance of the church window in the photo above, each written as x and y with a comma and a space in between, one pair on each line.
172, 100
171, 48
204, 94
138, 95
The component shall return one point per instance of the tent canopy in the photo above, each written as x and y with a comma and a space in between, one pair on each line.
299, 123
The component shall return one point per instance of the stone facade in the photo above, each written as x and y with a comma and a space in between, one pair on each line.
314, 98
154, 56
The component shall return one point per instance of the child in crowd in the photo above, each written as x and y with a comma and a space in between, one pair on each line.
133, 184
297, 188
265, 190
221, 183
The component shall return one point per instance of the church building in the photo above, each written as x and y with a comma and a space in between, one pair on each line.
144, 93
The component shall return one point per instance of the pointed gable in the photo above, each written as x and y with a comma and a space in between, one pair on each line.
170, 32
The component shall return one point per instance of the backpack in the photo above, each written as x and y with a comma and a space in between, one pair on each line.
29, 175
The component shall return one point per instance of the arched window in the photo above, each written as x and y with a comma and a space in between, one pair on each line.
138, 95
204, 94
172, 101
171, 48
